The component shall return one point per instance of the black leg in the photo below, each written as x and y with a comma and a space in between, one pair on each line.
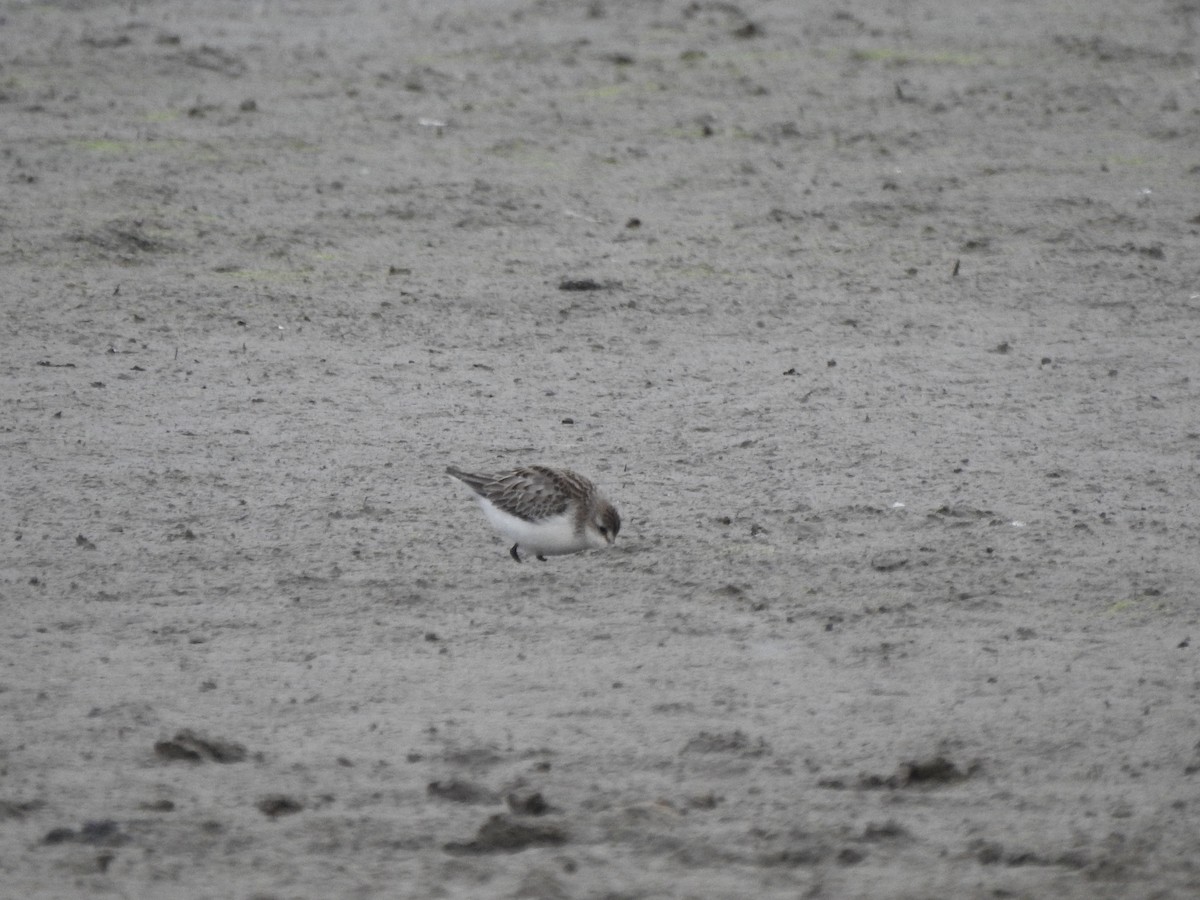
513, 553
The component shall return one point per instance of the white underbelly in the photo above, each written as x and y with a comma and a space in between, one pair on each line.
550, 537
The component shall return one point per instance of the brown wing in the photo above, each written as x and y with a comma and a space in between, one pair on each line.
531, 493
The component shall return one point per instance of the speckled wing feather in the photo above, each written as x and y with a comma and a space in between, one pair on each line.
532, 493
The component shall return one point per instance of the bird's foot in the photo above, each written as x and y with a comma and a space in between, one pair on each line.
513, 553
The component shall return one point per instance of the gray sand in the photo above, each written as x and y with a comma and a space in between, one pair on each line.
887, 352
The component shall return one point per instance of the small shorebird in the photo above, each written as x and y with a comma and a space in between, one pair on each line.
547, 512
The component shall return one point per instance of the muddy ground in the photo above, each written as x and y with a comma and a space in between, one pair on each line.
878, 322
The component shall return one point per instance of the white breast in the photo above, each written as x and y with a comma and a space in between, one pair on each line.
550, 537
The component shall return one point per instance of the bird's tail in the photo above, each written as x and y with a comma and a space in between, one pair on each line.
474, 482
